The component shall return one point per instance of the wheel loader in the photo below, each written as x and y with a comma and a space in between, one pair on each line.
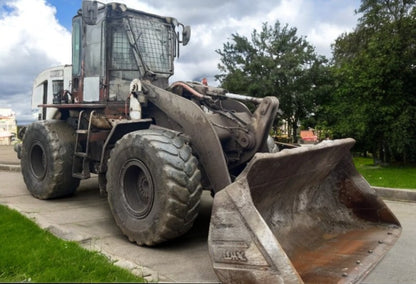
292, 216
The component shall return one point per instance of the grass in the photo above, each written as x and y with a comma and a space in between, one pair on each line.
395, 176
30, 254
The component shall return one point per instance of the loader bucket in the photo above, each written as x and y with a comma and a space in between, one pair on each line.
300, 215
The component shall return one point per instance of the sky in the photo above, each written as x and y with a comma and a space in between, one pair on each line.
36, 34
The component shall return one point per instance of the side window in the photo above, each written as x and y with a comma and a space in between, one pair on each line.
76, 47
57, 86
92, 51
57, 91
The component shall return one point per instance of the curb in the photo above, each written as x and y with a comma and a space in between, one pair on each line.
397, 194
10, 168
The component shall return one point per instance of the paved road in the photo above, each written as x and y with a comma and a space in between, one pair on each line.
398, 266
8, 155
86, 218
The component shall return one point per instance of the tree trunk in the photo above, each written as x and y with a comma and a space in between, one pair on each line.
294, 132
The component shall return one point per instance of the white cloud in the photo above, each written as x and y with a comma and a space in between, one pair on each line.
31, 40
320, 31
288, 11
323, 35
135, 4
31, 25
320, 21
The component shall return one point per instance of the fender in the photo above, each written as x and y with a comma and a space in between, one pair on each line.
194, 123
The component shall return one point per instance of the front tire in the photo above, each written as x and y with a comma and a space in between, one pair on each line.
47, 156
153, 186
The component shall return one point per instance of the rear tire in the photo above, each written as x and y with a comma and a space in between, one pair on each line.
153, 186
47, 156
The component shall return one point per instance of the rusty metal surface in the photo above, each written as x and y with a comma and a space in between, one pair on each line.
300, 215
75, 106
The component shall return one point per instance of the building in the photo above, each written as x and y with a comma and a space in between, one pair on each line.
8, 126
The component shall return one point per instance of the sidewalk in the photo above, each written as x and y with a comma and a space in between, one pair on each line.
8, 159
8, 155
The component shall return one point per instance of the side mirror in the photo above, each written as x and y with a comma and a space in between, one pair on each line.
89, 12
186, 35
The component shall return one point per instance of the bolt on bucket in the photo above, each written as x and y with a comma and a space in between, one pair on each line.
300, 215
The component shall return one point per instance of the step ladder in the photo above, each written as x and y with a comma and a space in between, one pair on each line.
81, 148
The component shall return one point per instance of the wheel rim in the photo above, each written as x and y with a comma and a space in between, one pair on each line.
137, 187
38, 161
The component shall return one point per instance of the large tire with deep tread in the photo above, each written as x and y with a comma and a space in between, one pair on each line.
47, 156
153, 185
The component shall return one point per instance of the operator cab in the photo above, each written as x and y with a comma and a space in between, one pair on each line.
112, 45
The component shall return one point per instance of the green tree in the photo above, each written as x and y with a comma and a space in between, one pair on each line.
374, 67
274, 62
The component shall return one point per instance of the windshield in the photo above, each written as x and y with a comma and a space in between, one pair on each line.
153, 40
